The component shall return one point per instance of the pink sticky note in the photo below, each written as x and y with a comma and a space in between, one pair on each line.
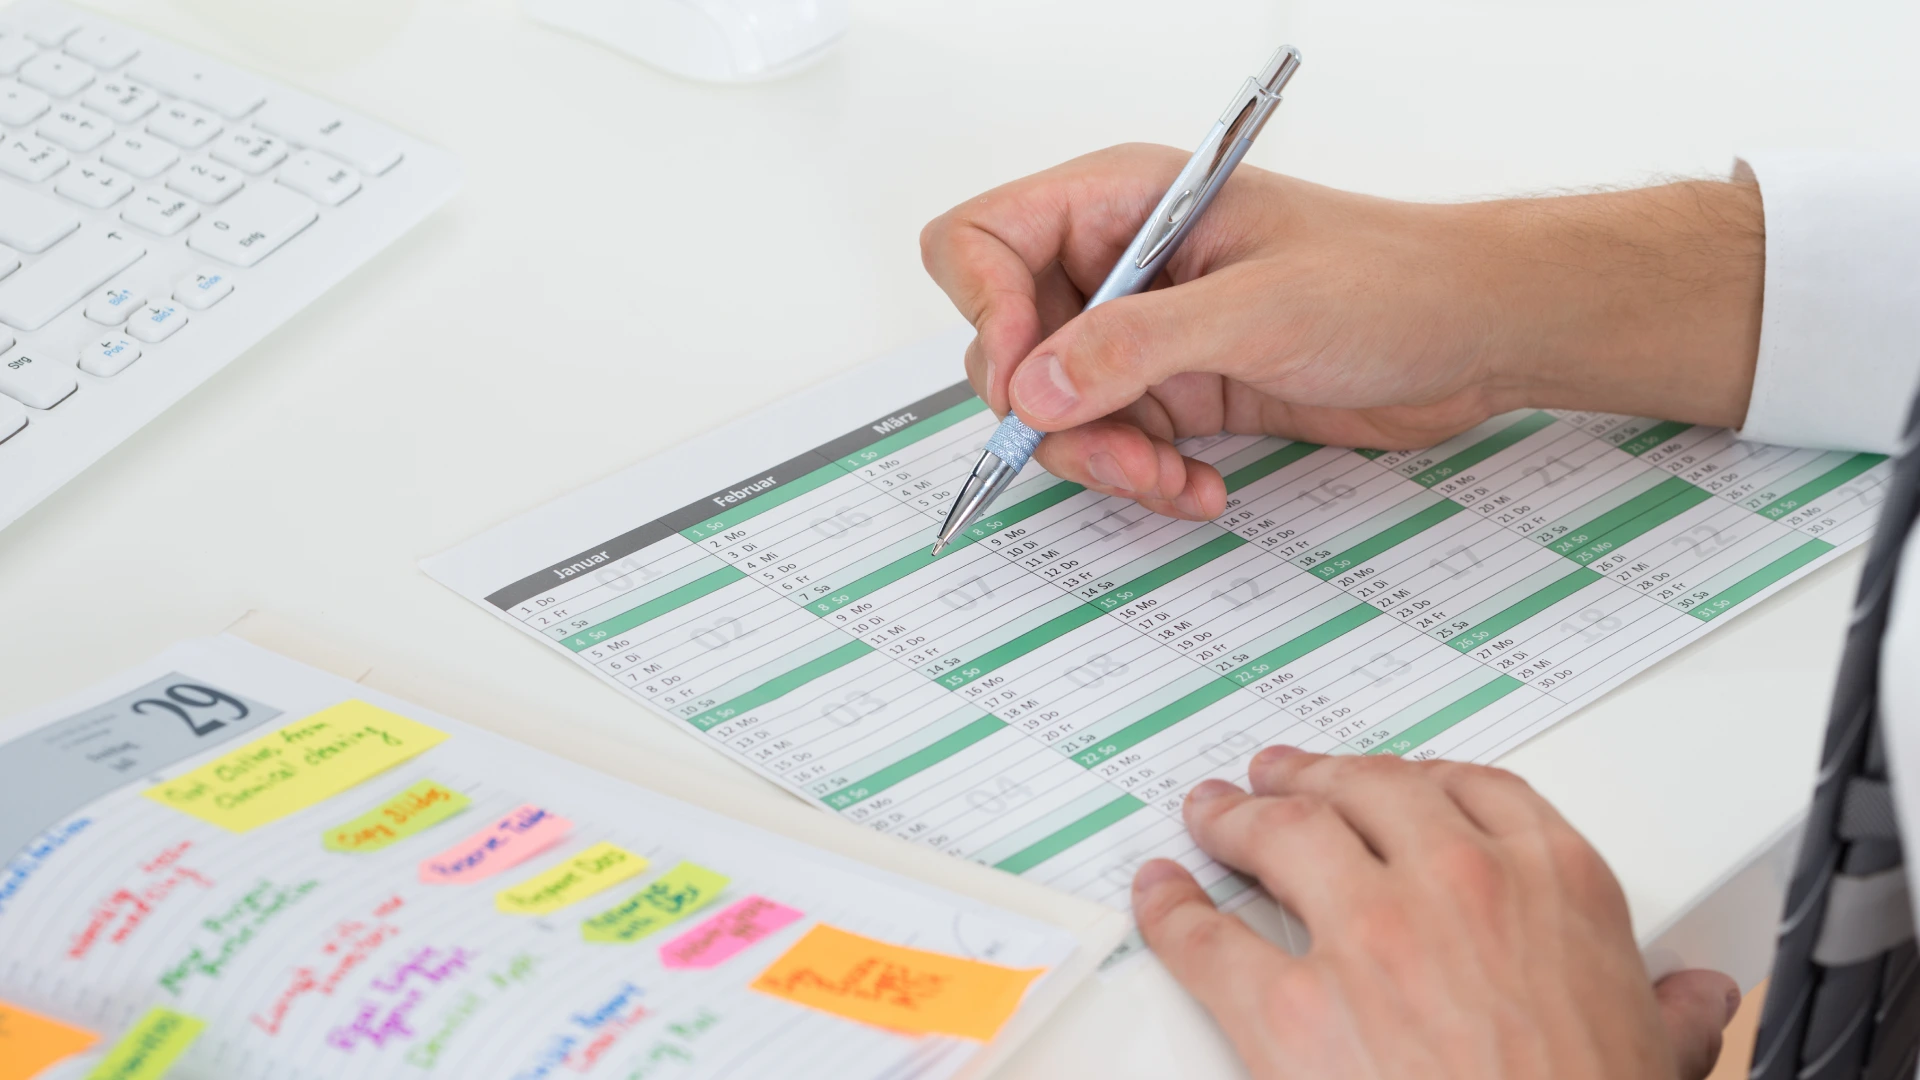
713, 941
509, 841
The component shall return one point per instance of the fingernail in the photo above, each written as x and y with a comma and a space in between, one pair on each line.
1106, 469
1208, 790
1041, 388
1271, 755
1155, 873
1733, 1005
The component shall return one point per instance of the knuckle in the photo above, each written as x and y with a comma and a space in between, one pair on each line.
1473, 874
1382, 926
1295, 997
1199, 936
1285, 812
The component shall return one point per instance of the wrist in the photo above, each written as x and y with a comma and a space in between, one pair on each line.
1644, 302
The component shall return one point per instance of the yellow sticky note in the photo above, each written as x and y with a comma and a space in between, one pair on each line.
293, 767
420, 807
150, 1049
29, 1042
892, 986
676, 894
600, 867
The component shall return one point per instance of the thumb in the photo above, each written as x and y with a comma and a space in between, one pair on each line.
1696, 1005
1104, 359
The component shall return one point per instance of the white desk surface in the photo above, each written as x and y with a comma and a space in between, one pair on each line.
605, 286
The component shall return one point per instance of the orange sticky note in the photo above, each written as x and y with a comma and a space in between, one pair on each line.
30, 1042
892, 986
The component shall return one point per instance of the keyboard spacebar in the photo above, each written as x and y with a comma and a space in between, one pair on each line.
59, 279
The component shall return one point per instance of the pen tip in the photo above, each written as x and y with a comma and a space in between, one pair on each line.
937, 545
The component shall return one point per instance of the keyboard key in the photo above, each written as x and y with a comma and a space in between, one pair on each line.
31, 222
21, 104
111, 307
109, 356
57, 74
78, 129
31, 298
204, 181
160, 213
102, 48
252, 152
30, 159
156, 322
36, 382
95, 185
251, 225
227, 92
320, 178
120, 100
52, 28
183, 125
14, 51
144, 157
13, 417
203, 288
9, 262
331, 130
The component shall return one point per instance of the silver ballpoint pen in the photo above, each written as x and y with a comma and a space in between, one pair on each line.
1013, 442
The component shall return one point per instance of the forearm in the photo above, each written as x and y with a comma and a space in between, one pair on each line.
1644, 302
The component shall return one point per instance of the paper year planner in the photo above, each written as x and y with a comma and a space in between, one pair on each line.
1042, 696
226, 864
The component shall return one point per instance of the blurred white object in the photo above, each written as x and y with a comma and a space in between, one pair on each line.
714, 40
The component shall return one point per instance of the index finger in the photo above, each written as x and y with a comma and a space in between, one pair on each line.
989, 253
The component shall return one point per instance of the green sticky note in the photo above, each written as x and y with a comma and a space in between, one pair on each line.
673, 895
420, 807
150, 1049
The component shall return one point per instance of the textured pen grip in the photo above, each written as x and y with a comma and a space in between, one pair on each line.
1013, 441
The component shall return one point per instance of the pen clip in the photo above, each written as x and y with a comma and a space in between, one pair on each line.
1243, 119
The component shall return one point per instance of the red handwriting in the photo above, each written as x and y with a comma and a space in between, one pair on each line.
588, 1056
347, 946
131, 905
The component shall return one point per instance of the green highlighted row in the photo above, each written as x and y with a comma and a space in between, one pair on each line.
1671, 488
1425, 730
793, 489
1753, 583
1156, 722
1046, 848
1484, 449
913, 764
781, 685
1653, 436
1335, 565
1171, 569
654, 608
1268, 465
760, 504
913, 433
1639, 526
1523, 609
1066, 623
920, 559
1820, 485
1266, 664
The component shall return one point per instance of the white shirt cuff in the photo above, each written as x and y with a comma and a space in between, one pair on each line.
1840, 326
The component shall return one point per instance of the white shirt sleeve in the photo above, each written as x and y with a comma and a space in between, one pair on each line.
1840, 322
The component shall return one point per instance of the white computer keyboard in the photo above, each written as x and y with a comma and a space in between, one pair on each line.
159, 213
